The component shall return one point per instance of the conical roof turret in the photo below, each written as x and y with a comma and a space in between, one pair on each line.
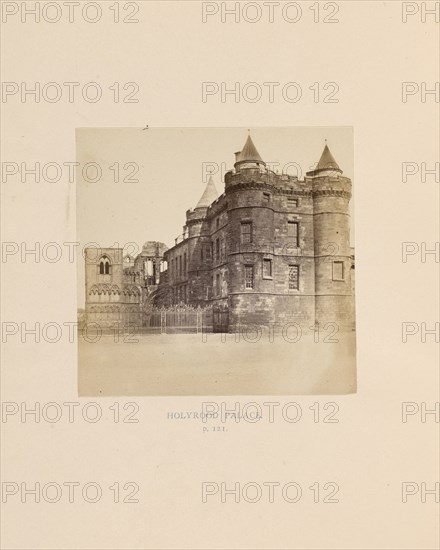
249, 153
210, 194
327, 161
326, 165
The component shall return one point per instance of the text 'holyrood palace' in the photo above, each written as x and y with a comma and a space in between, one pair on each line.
271, 249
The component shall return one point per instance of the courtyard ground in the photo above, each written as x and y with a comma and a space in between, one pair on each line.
215, 364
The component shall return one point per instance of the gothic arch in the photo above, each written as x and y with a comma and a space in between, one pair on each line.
104, 265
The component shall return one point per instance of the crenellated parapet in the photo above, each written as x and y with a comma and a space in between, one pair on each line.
260, 175
196, 215
336, 186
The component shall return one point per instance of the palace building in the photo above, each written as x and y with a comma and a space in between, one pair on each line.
271, 249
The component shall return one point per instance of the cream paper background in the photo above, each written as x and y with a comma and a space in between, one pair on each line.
370, 452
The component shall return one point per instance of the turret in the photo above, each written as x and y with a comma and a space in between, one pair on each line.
327, 166
210, 194
248, 157
195, 217
196, 249
248, 167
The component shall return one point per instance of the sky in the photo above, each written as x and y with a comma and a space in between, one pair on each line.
172, 166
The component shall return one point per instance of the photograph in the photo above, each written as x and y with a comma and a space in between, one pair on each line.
216, 261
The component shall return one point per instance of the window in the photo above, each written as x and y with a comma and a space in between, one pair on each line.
338, 271
293, 233
184, 264
217, 223
201, 254
246, 232
104, 266
267, 268
292, 203
293, 277
217, 249
149, 267
266, 197
217, 284
249, 276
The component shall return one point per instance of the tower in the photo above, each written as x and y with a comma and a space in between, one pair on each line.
189, 260
331, 193
104, 285
199, 246
251, 208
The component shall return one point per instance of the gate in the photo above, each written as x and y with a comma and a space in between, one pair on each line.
220, 319
179, 319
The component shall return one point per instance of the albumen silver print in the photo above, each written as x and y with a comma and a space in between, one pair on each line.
217, 261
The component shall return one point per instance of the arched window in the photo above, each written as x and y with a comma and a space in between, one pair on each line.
104, 266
